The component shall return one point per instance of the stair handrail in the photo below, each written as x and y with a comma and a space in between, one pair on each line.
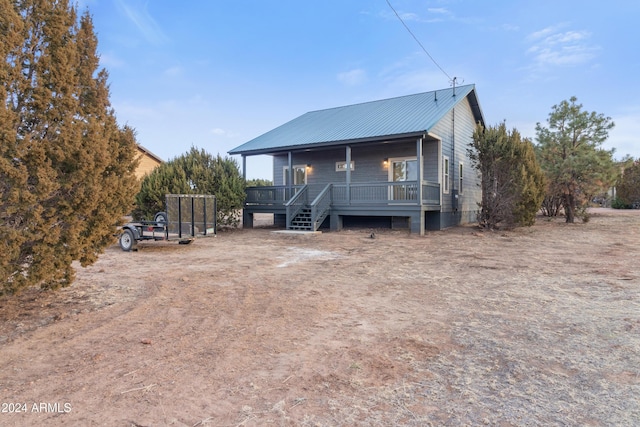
296, 204
321, 206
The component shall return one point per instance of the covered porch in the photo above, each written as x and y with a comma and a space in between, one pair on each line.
398, 180
306, 207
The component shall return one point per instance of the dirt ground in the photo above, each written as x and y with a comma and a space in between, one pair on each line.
537, 326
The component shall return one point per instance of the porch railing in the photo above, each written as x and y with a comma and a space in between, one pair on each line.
272, 195
385, 193
320, 207
296, 204
430, 193
371, 193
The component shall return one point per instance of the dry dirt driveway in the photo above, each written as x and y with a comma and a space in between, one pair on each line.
537, 326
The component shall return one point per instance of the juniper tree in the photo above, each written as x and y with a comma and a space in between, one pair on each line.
259, 182
511, 181
66, 167
195, 172
570, 154
628, 185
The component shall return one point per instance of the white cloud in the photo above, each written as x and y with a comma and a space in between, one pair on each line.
409, 16
353, 77
552, 47
223, 132
433, 15
568, 37
142, 19
545, 32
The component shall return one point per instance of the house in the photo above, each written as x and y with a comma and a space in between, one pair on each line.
147, 162
402, 160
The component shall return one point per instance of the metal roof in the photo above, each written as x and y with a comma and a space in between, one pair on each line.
387, 118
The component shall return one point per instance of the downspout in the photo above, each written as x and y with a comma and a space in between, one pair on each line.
452, 169
454, 204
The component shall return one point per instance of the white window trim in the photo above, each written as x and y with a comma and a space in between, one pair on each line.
390, 177
396, 159
460, 177
446, 166
286, 168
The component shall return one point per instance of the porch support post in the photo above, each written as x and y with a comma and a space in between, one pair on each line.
335, 221
348, 175
247, 219
419, 172
290, 175
417, 222
244, 167
420, 220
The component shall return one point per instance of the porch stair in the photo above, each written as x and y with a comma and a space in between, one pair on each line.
302, 221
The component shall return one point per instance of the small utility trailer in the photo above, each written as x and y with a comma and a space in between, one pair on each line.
187, 216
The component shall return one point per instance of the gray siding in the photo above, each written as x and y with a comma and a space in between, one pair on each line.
368, 162
470, 194
431, 160
455, 127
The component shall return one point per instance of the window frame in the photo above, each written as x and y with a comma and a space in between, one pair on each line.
446, 165
285, 174
399, 194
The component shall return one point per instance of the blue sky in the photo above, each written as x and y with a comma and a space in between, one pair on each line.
216, 73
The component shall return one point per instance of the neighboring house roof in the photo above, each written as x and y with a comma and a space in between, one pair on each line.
147, 161
149, 153
395, 117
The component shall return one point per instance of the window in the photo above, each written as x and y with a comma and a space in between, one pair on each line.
299, 175
403, 169
400, 170
460, 175
445, 174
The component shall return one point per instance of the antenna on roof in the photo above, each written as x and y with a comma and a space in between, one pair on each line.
453, 82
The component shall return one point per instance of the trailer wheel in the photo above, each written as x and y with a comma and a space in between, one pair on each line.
160, 217
127, 242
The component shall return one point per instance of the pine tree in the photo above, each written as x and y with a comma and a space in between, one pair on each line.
570, 155
66, 167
